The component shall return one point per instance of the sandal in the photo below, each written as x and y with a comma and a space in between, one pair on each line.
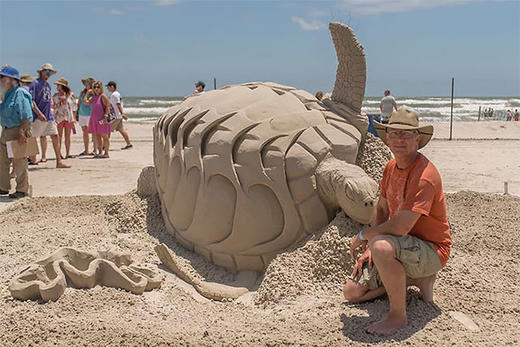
84, 153
43, 160
17, 195
70, 157
127, 147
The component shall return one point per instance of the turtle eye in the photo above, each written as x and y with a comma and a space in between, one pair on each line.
349, 191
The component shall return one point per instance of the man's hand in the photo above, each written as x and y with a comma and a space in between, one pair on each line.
21, 137
124, 116
356, 243
367, 256
42, 117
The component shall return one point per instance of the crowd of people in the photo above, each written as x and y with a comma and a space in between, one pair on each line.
29, 109
509, 115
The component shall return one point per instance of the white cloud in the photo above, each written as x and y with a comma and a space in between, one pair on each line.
166, 2
372, 7
114, 12
309, 25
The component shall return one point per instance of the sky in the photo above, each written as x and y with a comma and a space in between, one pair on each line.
162, 47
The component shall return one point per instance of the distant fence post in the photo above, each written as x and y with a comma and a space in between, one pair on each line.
214, 83
451, 119
479, 109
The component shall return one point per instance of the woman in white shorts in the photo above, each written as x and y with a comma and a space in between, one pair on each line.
83, 113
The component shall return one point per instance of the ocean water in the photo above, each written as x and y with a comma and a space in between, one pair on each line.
148, 109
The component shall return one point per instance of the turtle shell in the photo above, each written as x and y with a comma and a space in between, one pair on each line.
235, 170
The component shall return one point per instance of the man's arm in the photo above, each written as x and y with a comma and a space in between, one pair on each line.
40, 114
381, 105
121, 111
399, 226
395, 105
381, 212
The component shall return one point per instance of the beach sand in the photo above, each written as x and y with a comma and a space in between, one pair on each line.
98, 212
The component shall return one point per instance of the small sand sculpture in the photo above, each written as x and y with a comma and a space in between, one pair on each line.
246, 171
47, 278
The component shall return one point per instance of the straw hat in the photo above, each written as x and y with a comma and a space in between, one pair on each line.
63, 82
47, 66
26, 78
90, 80
405, 119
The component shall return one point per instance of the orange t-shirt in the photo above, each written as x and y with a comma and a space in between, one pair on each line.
418, 188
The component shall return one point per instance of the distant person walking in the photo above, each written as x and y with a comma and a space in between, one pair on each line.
15, 119
517, 116
387, 106
83, 113
64, 106
98, 123
117, 124
509, 115
43, 119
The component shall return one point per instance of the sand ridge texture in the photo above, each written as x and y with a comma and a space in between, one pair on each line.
480, 280
47, 278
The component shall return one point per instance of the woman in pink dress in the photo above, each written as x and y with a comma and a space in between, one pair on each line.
98, 124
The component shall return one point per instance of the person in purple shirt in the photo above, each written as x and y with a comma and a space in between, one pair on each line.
43, 119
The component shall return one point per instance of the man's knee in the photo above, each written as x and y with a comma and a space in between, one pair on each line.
382, 246
353, 291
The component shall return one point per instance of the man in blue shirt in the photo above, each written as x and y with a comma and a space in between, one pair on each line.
15, 117
44, 124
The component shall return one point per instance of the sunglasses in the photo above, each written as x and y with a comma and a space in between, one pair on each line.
403, 134
48, 70
97, 87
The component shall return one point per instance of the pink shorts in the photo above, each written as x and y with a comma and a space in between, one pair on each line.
67, 125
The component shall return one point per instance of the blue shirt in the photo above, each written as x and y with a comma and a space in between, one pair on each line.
16, 106
84, 110
41, 94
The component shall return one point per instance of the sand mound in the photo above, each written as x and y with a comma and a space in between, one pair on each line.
372, 156
319, 263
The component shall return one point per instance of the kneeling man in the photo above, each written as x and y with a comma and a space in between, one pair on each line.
409, 240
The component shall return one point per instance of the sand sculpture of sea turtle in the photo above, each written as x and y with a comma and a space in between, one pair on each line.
248, 170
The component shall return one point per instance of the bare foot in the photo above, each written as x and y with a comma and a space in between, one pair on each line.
387, 326
62, 166
425, 285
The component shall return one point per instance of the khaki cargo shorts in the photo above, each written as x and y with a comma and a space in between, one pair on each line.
116, 125
419, 259
44, 128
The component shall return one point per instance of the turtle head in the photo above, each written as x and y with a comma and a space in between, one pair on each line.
345, 185
358, 196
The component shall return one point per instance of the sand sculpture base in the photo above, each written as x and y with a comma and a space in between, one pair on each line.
47, 278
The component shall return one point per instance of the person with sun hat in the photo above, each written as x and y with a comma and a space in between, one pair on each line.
409, 239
